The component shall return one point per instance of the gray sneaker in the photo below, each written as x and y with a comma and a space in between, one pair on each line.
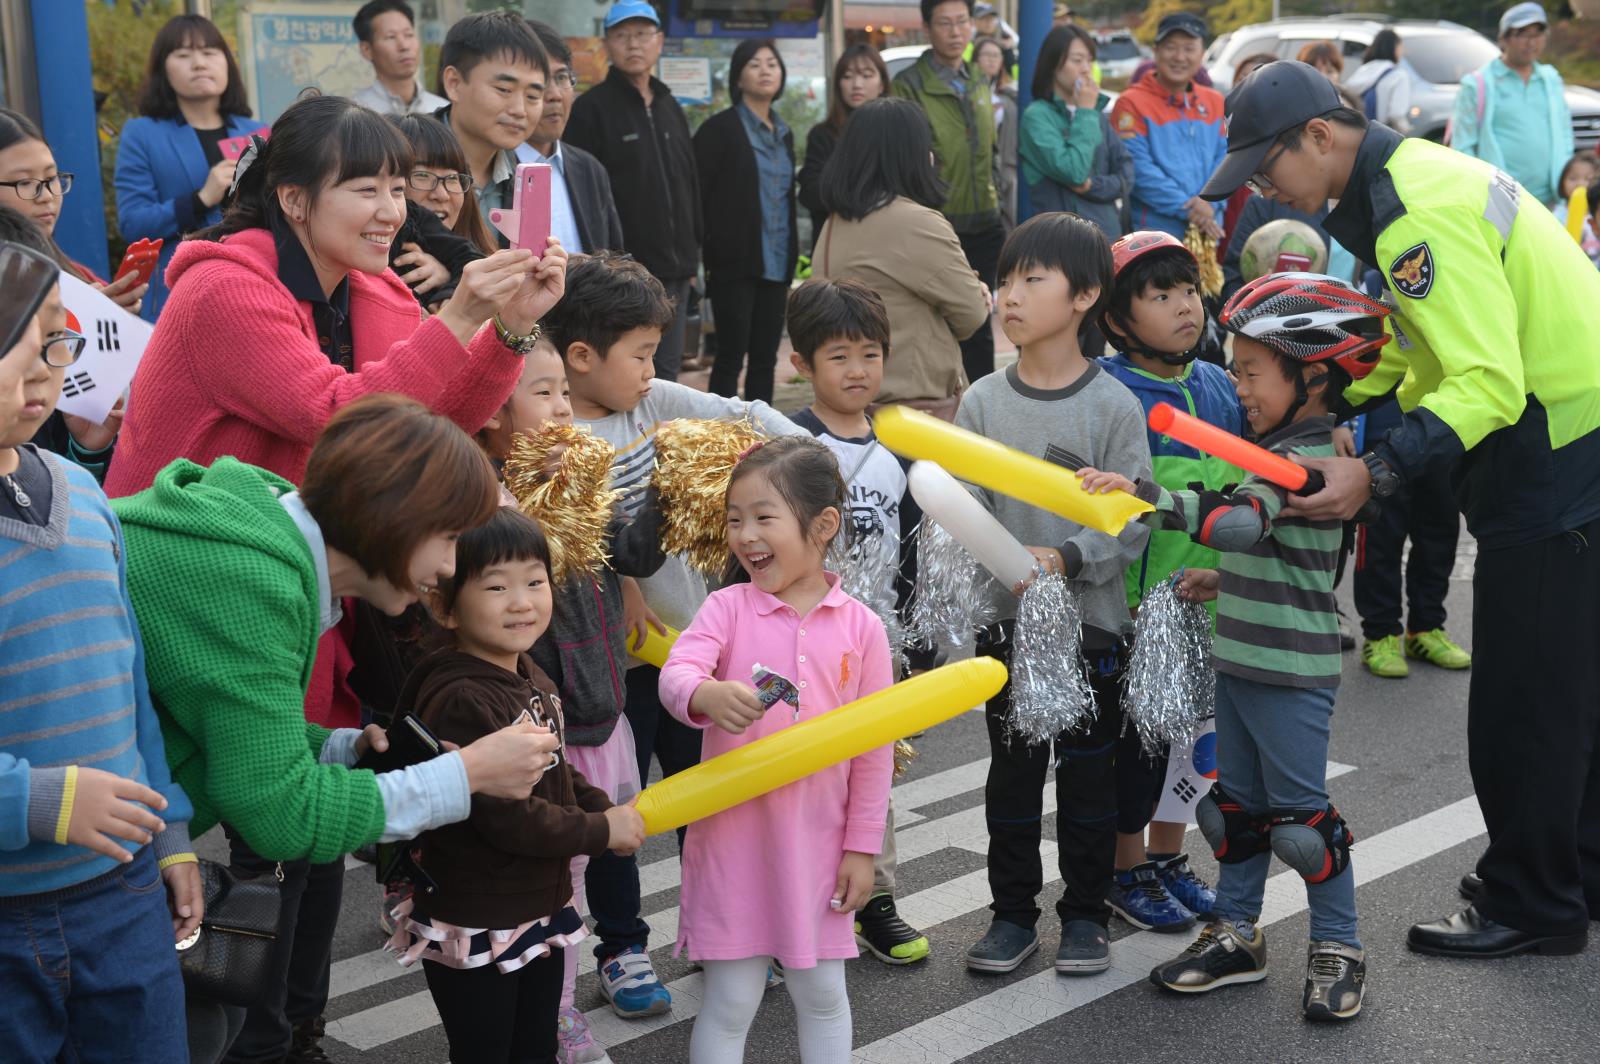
1336, 981
1220, 957
1085, 948
1004, 948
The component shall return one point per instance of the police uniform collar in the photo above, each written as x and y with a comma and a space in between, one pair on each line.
1355, 223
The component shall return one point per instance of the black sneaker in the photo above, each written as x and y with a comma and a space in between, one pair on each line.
1336, 981
1220, 957
881, 932
306, 1048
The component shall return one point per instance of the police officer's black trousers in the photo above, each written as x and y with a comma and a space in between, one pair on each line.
1533, 727
1425, 511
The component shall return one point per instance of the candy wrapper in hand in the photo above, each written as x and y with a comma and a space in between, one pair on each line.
1050, 691
1170, 686
952, 597
772, 688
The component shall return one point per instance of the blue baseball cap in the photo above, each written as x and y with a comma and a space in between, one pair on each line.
1520, 15
624, 10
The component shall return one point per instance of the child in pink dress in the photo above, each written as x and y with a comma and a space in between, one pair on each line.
779, 876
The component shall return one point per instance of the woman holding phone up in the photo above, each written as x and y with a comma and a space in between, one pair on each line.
281, 316
171, 174
1072, 160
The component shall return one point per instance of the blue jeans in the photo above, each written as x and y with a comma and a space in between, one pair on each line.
1272, 753
89, 973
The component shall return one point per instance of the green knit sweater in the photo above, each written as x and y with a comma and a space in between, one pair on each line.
226, 596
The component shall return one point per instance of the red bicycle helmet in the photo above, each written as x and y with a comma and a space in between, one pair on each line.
1124, 252
1143, 242
1311, 318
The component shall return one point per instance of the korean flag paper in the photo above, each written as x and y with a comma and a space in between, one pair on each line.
1190, 773
116, 341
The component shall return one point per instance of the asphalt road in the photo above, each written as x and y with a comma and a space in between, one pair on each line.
1400, 747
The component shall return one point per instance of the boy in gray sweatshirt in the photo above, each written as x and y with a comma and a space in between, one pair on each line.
1055, 273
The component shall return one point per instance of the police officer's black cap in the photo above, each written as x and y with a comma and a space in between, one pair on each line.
1272, 99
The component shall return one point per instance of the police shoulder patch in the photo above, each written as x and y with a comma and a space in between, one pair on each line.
1412, 271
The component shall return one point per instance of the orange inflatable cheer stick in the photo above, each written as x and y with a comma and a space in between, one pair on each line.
995, 466
798, 751
1203, 436
656, 645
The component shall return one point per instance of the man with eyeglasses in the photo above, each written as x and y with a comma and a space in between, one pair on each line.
1513, 113
387, 32
1496, 364
960, 109
639, 133
582, 211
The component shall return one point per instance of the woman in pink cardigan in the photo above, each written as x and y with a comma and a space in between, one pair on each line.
288, 310
279, 317
779, 876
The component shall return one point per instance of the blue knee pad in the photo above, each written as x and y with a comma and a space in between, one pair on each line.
1314, 842
1234, 834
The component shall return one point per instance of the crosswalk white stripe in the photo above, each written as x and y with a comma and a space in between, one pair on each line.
927, 908
981, 1023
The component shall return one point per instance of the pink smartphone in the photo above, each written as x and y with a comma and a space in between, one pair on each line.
233, 147
531, 201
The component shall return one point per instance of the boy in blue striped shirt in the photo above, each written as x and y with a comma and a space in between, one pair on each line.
91, 823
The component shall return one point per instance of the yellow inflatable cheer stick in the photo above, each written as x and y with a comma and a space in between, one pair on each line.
1577, 212
813, 745
1007, 470
656, 645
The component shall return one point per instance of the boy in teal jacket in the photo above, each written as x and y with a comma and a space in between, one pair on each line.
1154, 319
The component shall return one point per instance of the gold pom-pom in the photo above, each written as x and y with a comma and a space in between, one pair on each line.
1205, 252
694, 461
575, 502
904, 754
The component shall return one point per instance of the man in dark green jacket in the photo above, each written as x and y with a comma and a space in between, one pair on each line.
961, 111
1496, 363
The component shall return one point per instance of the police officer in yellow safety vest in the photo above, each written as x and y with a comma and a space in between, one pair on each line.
1496, 358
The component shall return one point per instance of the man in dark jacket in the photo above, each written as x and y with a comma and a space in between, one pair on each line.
582, 211
631, 123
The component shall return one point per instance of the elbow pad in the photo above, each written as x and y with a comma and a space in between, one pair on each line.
1230, 522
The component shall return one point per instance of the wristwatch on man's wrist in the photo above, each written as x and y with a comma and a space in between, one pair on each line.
1384, 479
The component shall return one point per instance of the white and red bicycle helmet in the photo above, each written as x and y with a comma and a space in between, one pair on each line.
1311, 318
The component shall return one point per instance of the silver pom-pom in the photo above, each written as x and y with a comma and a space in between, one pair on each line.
1050, 691
1170, 686
952, 597
867, 566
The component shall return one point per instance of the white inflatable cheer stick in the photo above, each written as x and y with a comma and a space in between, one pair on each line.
943, 498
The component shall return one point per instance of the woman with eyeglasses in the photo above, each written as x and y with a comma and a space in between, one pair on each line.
438, 237
172, 175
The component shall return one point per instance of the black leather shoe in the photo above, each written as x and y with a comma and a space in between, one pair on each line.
1471, 886
1470, 934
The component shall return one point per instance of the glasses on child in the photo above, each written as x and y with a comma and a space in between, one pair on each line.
63, 348
30, 188
427, 181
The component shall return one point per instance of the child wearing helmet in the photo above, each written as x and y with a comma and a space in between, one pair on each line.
1154, 318
1299, 339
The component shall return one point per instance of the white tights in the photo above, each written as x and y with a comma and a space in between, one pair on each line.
733, 992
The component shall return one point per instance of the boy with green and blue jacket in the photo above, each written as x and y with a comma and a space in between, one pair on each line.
1154, 319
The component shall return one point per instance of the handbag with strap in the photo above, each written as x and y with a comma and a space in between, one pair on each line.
227, 957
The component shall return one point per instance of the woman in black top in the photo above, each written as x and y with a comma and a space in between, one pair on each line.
745, 156
859, 75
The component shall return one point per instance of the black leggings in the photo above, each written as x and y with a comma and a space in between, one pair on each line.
495, 1018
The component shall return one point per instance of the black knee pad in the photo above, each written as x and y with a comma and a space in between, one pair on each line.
1234, 834
1314, 842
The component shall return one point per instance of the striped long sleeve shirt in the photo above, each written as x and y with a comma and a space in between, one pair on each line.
1276, 622
72, 687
